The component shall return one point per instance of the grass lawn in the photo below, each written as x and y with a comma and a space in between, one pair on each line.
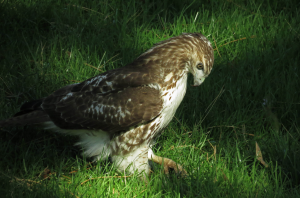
237, 135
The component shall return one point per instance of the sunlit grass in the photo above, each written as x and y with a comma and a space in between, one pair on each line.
252, 96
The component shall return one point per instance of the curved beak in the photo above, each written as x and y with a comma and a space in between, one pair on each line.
198, 81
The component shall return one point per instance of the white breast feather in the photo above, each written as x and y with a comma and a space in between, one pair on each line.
170, 105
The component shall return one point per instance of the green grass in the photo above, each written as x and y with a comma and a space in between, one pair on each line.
252, 95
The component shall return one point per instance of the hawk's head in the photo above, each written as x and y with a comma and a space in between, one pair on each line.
201, 58
189, 52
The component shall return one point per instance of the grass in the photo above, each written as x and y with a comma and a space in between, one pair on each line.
252, 96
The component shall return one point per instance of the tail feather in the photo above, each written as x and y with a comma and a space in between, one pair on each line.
30, 107
33, 117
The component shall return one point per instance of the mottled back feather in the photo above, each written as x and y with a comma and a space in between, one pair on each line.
113, 111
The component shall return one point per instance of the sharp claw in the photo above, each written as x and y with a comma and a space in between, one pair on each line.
168, 163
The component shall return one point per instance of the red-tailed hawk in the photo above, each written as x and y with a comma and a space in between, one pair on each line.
119, 113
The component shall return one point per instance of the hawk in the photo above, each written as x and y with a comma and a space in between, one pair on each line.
119, 113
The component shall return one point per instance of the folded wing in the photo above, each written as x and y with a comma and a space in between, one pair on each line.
112, 111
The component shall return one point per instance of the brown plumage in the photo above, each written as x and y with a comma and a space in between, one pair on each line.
120, 112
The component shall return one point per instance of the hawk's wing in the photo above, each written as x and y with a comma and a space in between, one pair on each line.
113, 101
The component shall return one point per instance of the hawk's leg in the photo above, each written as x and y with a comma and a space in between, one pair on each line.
134, 161
167, 163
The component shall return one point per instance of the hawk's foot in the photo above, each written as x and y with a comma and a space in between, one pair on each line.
168, 163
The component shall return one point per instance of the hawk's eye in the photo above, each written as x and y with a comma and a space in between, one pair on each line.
199, 66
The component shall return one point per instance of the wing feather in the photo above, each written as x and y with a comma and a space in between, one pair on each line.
111, 112
113, 102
